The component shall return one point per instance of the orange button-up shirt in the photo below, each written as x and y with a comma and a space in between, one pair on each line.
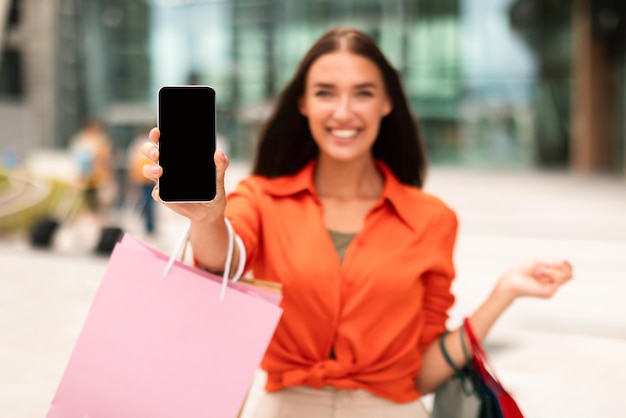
378, 310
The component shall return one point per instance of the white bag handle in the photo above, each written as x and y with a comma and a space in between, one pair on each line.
232, 236
232, 240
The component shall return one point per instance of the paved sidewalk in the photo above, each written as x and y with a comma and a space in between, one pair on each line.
560, 358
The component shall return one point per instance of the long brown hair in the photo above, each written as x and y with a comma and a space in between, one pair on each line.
286, 144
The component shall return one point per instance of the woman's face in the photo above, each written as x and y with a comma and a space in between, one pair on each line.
344, 100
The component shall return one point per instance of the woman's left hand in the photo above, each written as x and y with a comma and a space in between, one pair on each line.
539, 279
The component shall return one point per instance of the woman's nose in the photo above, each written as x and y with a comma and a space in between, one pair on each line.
343, 109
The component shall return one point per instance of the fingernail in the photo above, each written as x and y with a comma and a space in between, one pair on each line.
155, 169
153, 153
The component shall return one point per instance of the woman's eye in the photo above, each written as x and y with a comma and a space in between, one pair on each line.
365, 93
323, 93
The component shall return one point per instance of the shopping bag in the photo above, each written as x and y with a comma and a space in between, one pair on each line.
487, 381
474, 391
457, 398
165, 347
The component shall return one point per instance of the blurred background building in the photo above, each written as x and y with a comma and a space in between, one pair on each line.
494, 83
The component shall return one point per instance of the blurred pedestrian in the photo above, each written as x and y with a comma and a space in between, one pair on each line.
92, 151
141, 185
334, 211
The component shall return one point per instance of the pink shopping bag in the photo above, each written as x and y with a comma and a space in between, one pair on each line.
165, 347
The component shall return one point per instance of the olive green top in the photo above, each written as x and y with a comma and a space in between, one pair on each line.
341, 240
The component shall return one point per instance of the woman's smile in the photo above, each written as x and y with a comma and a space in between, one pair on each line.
344, 135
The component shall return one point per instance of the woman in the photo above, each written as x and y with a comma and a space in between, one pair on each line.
335, 213
92, 150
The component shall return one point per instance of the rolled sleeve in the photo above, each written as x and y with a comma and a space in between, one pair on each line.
438, 298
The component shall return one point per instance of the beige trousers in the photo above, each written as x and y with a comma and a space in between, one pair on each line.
305, 402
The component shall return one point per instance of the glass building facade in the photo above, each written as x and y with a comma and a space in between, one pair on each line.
489, 81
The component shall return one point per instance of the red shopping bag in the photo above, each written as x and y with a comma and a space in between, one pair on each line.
494, 391
165, 347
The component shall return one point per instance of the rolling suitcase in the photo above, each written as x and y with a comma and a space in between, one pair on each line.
43, 232
63, 210
109, 236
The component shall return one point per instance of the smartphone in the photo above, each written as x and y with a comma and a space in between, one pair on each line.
186, 119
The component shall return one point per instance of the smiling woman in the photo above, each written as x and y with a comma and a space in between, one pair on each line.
344, 102
346, 74
339, 168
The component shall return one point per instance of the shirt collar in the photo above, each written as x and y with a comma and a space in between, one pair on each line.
398, 195
293, 184
395, 193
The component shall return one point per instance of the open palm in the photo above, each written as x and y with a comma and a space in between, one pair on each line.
538, 279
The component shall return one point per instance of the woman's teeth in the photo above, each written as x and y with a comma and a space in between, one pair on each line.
343, 133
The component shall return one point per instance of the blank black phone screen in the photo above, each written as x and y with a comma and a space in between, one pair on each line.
187, 143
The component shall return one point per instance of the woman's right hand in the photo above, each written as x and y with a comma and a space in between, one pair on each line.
196, 212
